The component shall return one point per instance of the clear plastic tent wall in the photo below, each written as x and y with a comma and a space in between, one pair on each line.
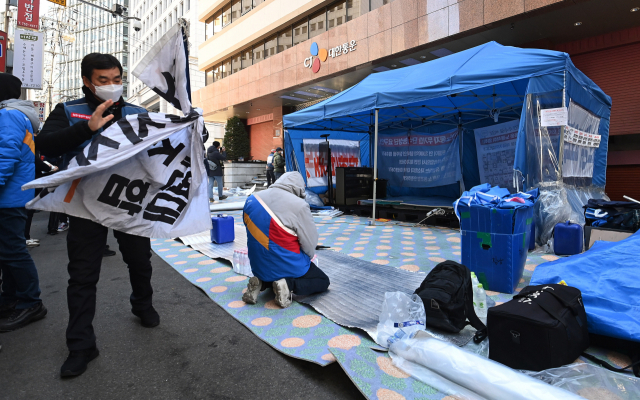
476, 88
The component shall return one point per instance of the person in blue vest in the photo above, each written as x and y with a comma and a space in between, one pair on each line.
67, 130
20, 302
282, 240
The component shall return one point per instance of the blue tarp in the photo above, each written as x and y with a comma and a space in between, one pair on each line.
460, 89
607, 275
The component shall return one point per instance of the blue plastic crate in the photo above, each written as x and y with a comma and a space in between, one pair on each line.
495, 243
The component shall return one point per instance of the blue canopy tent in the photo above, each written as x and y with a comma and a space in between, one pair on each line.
475, 88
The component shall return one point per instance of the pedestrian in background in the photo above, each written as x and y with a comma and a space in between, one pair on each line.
278, 163
43, 168
217, 156
20, 302
271, 177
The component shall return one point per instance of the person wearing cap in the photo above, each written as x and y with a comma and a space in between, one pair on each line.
20, 302
278, 163
271, 177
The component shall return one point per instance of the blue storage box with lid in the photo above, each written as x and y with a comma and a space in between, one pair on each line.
495, 236
223, 230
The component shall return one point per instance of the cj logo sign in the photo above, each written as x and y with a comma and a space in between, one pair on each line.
317, 55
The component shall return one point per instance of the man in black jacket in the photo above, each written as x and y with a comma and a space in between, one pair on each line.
218, 156
68, 129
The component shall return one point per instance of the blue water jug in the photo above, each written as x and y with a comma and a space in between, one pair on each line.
223, 230
568, 239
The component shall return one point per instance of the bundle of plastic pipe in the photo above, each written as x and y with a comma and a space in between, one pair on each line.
468, 376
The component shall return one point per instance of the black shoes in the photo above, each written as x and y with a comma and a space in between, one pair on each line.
21, 318
222, 197
149, 318
7, 309
77, 362
108, 252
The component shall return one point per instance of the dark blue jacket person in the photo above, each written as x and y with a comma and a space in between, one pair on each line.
68, 129
20, 301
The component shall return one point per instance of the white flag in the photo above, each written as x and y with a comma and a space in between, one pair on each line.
165, 66
144, 175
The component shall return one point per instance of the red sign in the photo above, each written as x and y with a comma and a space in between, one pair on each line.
29, 13
81, 116
3, 51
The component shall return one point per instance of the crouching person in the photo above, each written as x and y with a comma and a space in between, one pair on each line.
282, 240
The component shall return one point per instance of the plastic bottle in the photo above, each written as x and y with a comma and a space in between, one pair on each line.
474, 287
482, 302
236, 261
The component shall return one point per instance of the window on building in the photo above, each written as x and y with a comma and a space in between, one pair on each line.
379, 3
226, 68
300, 32
247, 58
257, 53
217, 22
270, 46
246, 5
236, 9
336, 15
182, 9
236, 63
256, 3
226, 15
285, 40
217, 72
208, 76
317, 24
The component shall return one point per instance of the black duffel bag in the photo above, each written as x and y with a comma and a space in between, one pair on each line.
447, 296
543, 327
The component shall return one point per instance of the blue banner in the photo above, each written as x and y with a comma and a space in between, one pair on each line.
417, 159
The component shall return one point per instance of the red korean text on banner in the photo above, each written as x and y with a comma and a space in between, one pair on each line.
29, 14
3, 51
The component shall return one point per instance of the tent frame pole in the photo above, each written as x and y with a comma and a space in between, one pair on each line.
375, 168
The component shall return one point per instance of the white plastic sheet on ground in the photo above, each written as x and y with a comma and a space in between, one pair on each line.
468, 376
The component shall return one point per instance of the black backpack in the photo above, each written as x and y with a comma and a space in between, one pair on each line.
447, 295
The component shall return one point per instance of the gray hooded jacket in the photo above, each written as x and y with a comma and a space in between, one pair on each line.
286, 198
26, 107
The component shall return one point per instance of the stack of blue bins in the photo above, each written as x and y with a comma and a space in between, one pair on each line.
496, 232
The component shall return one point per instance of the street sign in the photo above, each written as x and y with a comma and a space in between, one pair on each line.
29, 54
63, 3
3, 51
29, 14
40, 106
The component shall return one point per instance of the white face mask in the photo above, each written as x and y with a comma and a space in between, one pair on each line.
109, 92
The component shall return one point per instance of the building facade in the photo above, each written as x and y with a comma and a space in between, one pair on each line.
157, 17
91, 30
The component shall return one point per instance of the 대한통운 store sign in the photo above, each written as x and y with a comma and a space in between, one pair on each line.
318, 55
27, 60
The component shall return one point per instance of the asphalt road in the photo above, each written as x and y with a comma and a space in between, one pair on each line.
197, 352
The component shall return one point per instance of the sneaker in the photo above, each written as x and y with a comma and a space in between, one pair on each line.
253, 290
32, 243
7, 309
149, 318
283, 294
63, 227
222, 197
77, 361
20, 318
212, 201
